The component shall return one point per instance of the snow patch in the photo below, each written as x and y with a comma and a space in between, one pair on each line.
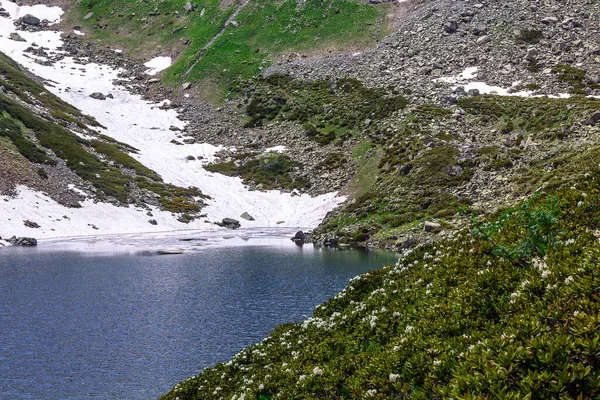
466, 80
41, 11
276, 149
158, 64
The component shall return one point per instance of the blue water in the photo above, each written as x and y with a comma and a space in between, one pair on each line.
121, 326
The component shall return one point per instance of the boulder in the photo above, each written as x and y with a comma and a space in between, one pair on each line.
98, 96
189, 7
153, 201
532, 54
30, 224
153, 222
247, 216
594, 118
479, 29
229, 223
29, 20
429, 226
22, 241
451, 26
16, 37
299, 237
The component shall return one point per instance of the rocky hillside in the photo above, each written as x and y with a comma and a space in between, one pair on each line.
48, 145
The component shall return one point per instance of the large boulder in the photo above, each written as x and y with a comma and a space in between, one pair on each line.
299, 237
594, 118
22, 241
30, 20
98, 96
451, 26
229, 223
16, 37
429, 226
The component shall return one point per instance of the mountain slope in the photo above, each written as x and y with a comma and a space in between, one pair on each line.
54, 138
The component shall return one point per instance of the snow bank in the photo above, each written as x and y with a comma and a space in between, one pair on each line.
51, 14
143, 125
467, 80
158, 64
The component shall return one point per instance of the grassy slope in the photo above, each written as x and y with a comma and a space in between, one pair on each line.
265, 30
509, 310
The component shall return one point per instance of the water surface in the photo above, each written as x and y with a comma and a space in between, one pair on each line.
120, 326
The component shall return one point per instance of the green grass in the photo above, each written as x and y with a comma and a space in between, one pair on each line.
265, 31
271, 170
327, 110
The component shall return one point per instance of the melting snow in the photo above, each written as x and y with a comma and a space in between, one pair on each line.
158, 64
466, 80
145, 126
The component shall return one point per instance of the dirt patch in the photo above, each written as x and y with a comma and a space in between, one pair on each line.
225, 4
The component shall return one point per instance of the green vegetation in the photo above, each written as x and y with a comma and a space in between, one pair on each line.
42, 138
264, 30
530, 36
573, 76
326, 110
425, 170
453, 319
271, 170
532, 115
29, 91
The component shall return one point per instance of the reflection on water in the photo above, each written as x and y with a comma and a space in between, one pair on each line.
103, 325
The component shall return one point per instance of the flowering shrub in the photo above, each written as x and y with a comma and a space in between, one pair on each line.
452, 319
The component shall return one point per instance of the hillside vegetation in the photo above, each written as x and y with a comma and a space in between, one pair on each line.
41, 133
508, 308
262, 32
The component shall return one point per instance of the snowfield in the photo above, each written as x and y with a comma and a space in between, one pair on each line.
143, 125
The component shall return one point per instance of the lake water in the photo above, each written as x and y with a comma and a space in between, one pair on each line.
75, 325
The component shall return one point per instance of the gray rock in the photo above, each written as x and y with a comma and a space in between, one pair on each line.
474, 92
484, 39
88, 15
151, 201
189, 140
31, 224
429, 226
299, 237
406, 243
549, 20
174, 128
229, 223
593, 119
451, 26
98, 96
30, 20
153, 222
186, 86
16, 37
532, 54
190, 158
479, 29
247, 216
189, 7
22, 241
